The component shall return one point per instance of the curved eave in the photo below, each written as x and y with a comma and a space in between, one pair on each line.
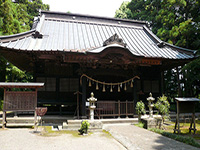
13, 37
99, 50
180, 49
185, 50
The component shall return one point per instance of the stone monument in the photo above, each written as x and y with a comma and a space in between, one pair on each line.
92, 106
150, 100
151, 122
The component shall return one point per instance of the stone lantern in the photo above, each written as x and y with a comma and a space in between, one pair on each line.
150, 99
92, 106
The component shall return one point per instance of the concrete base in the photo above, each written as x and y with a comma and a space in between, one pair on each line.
151, 123
94, 125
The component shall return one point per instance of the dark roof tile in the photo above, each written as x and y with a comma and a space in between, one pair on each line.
55, 31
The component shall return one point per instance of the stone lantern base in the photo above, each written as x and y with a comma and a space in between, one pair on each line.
151, 123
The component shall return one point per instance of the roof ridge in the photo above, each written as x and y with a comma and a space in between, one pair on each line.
96, 17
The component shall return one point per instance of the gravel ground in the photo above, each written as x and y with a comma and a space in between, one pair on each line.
135, 138
25, 139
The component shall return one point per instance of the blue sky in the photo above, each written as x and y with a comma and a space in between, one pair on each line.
105, 8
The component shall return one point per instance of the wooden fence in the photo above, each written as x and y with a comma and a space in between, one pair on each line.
114, 109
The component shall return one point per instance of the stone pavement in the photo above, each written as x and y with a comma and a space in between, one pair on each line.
25, 139
135, 138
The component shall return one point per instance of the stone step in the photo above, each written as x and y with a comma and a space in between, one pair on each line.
15, 125
17, 120
120, 120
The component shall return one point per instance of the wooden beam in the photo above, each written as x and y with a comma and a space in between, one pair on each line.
84, 82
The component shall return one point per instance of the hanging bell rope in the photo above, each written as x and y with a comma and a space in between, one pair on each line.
110, 84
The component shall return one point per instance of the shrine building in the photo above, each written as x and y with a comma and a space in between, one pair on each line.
116, 59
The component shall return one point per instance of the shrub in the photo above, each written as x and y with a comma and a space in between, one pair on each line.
140, 124
163, 106
140, 109
84, 127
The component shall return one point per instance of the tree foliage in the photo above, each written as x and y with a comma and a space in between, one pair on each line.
140, 108
163, 106
15, 17
176, 22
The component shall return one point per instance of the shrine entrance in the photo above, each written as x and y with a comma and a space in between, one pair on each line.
115, 99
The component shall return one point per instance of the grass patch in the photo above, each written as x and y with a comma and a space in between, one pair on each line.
184, 136
185, 139
140, 124
107, 134
47, 131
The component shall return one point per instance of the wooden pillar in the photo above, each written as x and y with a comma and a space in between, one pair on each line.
162, 82
35, 118
4, 112
4, 120
192, 123
135, 96
83, 97
118, 108
126, 108
177, 120
35, 114
179, 84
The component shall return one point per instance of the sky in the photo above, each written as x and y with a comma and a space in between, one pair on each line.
105, 8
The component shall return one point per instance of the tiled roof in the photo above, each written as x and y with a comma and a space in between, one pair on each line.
65, 32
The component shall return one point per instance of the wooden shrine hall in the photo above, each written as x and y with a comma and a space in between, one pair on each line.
120, 61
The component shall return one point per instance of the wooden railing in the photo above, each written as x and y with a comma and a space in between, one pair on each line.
114, 109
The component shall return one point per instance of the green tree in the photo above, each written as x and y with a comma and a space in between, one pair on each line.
123, 12
16, 17
32, 8
10, 24
176, 22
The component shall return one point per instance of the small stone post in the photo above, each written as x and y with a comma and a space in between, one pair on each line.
150, 99
92, 106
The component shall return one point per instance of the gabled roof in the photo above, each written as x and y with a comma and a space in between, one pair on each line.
66, 32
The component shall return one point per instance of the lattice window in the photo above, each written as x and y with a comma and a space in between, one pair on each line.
155, 86
69, 84
151, 86
41, 80
147, 86
50, 84
74, 84
64, 85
